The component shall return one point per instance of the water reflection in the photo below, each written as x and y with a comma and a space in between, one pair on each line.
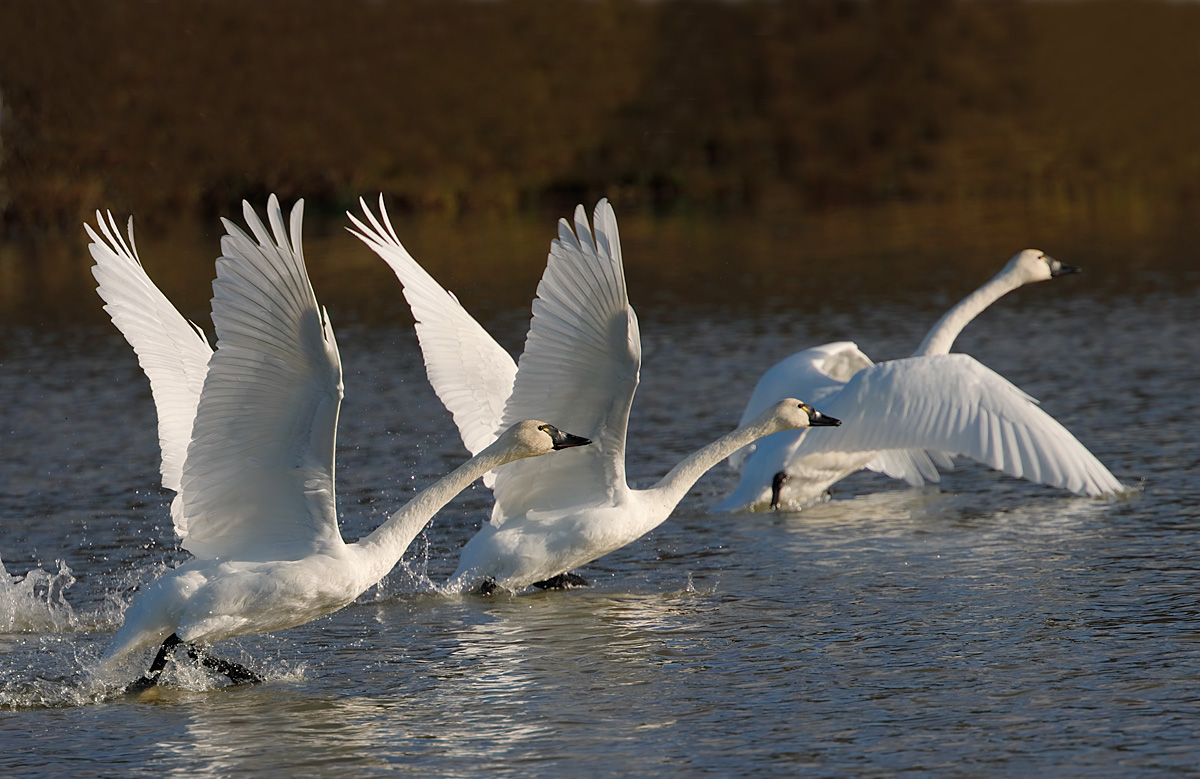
245, 730
828, 262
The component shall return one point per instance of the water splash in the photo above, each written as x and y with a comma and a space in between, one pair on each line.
34, 603
410, 575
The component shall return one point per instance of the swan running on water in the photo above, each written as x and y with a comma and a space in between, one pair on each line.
247, 437
935, 405
580, 366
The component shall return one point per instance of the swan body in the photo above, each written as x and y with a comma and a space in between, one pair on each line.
538, 545
936, 405
247, 435
580, 507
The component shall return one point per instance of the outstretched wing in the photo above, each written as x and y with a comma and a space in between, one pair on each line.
810, 375
915, 466
471, 373
579, 371
173, 352
258, 480
953, 403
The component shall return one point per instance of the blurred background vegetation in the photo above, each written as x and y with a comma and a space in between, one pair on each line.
811, 152
692, 105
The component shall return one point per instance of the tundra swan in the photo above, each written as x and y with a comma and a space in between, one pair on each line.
581, 365
936, 405
247, 437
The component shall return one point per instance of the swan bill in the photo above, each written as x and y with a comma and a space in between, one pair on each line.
1061, 268
817, 419
563, 440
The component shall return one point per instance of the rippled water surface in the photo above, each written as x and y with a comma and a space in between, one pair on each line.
991, 627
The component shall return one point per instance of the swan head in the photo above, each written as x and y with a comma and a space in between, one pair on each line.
1035, 265
532, 438
792, 414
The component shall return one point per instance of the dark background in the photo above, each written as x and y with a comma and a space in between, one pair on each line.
799, 154
460, 107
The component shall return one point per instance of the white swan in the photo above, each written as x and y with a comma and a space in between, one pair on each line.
935, 404
247, 436
580, 365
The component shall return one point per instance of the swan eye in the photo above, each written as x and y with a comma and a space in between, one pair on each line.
547, 429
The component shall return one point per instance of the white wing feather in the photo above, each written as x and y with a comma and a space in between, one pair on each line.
953, 403
815, 374
471, 373
258, 480
914, 466
579, 371
173, 352
810, 375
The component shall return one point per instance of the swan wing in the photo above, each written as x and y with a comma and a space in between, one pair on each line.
954, 404
811, 375
579, 371
471, 373
258, 481
914, 466
172, 352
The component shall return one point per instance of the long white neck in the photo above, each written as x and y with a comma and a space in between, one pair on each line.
384, 547
941, 337
671, 488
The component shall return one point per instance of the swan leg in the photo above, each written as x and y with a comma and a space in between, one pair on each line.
169, 645
238, 674
564, 581
776, 488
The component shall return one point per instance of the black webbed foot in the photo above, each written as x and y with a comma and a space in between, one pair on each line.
141, 685
169, 645
238, 674
564, 581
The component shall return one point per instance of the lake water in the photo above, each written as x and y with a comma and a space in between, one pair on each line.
987, 628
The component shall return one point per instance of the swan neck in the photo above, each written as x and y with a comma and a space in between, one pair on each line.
391, 539
940, 339
672, 487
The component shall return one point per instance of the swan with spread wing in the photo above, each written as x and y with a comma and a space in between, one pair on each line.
908, 417
247, 436
580, 366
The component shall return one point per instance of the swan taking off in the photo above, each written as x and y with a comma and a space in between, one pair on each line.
935, 404
247, 437
580, 367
